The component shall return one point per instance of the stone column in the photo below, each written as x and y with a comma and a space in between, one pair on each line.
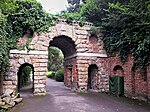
82, 71
40, 68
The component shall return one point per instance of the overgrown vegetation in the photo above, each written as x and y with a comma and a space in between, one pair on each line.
19, 17
50, 74
55, 59
2, 110
59, 76
125, 24
75, 6
126, 27
55, 64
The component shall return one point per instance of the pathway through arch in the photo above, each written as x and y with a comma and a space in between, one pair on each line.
60, 99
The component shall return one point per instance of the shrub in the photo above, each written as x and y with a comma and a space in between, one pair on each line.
2, 110
50, 74
59, 76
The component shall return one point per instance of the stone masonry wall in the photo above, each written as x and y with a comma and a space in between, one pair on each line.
83, 64
39, 63
89, 50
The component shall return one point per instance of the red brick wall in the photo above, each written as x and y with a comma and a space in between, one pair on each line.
148, 83
135, 85
70, 73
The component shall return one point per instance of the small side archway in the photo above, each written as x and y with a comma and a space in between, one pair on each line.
26, 78
92, 76
116, 81
139, 82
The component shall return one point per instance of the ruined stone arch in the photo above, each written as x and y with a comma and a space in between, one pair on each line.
79, 53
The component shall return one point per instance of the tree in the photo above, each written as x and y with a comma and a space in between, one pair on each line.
74, 5
125, 24
55, 59
6, 8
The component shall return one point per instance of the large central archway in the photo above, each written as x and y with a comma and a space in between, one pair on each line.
67, 46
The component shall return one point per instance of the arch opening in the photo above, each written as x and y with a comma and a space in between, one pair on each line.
118, 70
26, 78
65, 43
92, 76
116, 81
67, 47
139, 82
55, 59
55, 64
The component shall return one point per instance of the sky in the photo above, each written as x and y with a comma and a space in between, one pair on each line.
54, 6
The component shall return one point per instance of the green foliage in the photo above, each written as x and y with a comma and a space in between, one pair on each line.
94, 11
29, 18
5, 43
128, 31
19, 17
59, 76
8, 6
55, 59
2, 110
50, 74
74, 6
70, 17
126, 26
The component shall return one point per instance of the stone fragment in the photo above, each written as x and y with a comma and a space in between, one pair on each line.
21, 61
18, 100
2, 103
7, 99
16, 95
12, 103
8, 92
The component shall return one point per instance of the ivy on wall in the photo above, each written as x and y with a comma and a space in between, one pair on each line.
126, 27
